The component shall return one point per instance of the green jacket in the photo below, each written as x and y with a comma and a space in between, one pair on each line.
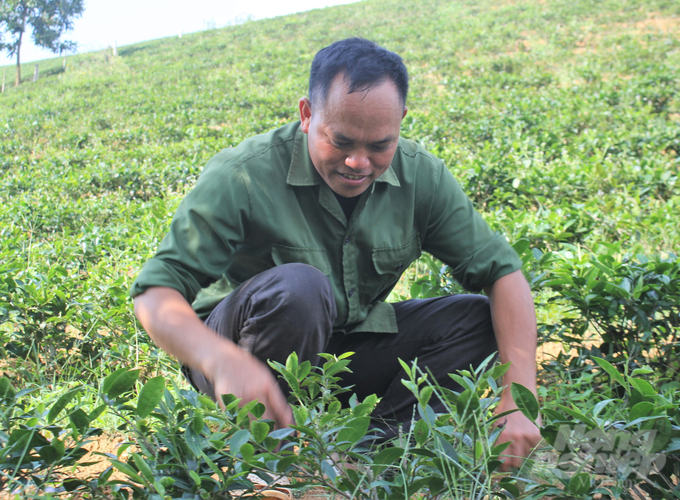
263, 204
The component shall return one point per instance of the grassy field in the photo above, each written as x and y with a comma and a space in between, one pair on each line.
561, 119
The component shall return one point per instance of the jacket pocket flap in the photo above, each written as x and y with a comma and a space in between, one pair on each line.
395, 260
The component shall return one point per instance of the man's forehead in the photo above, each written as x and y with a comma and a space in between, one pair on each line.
339, 91
338, 135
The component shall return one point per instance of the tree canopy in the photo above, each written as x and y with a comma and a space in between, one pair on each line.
47, 19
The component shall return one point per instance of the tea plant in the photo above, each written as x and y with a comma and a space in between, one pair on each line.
40, 443
632, 304
620, 447
185, 445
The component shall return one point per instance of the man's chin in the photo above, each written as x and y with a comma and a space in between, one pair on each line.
349, 188
348, 192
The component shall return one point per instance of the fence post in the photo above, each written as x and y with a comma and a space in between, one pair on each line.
115, 48
35, 74
3, 80
63, 64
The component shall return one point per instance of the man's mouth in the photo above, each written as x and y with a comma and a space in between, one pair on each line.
353, 177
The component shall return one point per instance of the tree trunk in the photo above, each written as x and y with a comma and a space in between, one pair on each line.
21, 36
18, 78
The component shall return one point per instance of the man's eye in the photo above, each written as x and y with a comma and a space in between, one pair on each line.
340, 144
379, 148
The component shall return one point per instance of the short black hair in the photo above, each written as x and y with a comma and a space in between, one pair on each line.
365, 65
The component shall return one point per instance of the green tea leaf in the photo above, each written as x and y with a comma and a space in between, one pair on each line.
239, 438
425, 395
286, 462
143, 467
329, 471
386, 458
525, 401
644, 387
258, 410
94, 414
6, 389
195, 477
259, 430
498, 371
197, 422
150, 396
61, 403
467, 402
641, 409
79, 420
127, 470
292, 363
301, 414
611, 370
579, 484
247, 452
664, 432
110, 379
122, 383
421, 431
50, 454
213, 466
578, 416
354, 430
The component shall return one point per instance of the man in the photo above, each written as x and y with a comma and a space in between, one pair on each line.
292, 241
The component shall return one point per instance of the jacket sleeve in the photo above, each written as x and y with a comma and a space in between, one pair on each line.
458, 235
208, 226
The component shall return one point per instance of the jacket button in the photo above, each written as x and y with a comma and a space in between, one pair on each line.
351, 292
346, 241
399, 267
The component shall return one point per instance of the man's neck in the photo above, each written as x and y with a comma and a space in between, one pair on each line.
347, 204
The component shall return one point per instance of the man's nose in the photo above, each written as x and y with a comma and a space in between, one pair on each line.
357, 161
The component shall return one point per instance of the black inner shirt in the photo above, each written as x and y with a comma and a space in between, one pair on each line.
347, 204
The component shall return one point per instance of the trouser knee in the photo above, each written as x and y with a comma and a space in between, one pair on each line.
478, 318
289, 308
296, 294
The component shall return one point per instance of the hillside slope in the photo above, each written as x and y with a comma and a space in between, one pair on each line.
560, 118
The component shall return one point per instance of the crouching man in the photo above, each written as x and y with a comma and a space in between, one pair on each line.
292, 241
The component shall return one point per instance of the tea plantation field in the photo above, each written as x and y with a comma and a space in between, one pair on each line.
561, 119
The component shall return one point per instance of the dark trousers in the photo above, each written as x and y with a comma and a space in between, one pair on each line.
291, 308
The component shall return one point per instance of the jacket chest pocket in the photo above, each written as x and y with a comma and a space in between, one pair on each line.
391, 262
315, 257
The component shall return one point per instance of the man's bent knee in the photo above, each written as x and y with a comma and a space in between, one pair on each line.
301, 290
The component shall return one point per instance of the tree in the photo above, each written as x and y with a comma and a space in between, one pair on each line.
48, 20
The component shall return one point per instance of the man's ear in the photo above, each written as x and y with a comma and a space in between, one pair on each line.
305, 114
405, 111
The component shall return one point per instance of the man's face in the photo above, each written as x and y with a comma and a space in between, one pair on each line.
353, 137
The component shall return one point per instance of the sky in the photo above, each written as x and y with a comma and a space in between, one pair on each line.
105, 22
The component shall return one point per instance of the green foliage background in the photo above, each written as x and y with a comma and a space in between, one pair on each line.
561, 119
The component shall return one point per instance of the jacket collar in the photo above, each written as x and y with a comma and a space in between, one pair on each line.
303, 173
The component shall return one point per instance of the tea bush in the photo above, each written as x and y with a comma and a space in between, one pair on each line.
632, 304
560, 119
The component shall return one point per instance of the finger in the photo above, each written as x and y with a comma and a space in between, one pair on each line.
512, 456
218, 397
510, 460
280, 408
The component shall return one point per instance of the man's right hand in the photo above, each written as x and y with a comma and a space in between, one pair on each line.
174, 326
246, 377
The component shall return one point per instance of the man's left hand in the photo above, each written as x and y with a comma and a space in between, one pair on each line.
522, 433
514, 323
